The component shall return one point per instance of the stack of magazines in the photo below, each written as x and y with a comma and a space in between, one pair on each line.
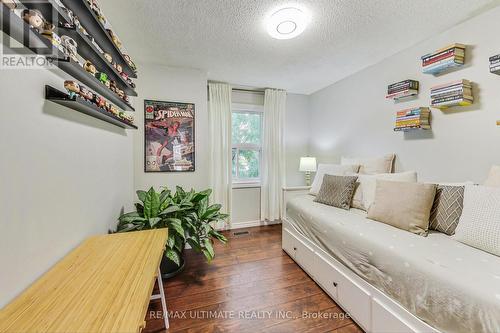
416, 118
457, 93
402, 89
444, 59
495, 64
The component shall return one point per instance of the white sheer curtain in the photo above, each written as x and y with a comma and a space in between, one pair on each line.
273, 154
219, 118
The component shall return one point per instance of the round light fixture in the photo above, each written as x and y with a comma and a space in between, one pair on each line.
287, 23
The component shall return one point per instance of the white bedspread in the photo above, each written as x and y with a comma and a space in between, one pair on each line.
449, 285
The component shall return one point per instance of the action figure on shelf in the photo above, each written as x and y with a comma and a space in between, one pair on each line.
113, 86
94, 6
130, 62
89, 67
107, 106
131, 83
48, 32
11, 4
114, 110
100, 102
108, 57
86, 94
34, 18
71, 17
70, 47
118, 67
73, 88
102, 77
129, 117
95, 98
103, 20
121, 94
115, 38
54, 39
79, 26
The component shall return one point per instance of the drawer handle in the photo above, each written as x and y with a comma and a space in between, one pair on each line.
294, 248
335, 284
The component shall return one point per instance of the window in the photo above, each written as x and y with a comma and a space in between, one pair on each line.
246, 143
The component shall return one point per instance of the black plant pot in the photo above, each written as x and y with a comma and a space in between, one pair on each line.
169, 268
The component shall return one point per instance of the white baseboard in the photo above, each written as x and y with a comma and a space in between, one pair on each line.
249, 224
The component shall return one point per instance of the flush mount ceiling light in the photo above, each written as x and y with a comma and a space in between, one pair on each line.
287, 23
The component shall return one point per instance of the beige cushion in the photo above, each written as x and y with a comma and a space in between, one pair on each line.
368, 184
330, 169
406, 206
479, 224
357, 199
371, 166
494, 177
337, 191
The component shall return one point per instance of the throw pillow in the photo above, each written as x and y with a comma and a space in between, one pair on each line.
447, 208
479, 224
368, 184
330, 169
357, 199
337, 191
372, 166
494, 177
406, 206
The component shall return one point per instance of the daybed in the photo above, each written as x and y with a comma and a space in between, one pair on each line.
390, 280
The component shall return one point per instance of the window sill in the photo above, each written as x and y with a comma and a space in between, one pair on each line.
246, 185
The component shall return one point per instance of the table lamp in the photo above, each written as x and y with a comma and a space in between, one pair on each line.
308, 165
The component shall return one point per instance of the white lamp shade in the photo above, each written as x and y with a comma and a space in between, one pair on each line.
307, 164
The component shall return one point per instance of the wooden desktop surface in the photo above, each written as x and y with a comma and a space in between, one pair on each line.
104, 285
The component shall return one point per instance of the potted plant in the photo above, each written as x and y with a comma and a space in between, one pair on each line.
188, 217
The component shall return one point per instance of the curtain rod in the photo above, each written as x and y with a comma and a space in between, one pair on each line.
255, 91
244, 88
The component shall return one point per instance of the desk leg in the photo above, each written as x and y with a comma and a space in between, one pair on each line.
163, 301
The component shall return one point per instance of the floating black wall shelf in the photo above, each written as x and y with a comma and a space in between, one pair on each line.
76, 71
95, 28
83, 106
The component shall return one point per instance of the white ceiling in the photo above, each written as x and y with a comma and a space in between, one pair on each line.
227, 38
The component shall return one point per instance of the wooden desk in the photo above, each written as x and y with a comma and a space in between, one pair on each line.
104, 285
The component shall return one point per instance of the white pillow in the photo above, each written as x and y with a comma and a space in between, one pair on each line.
368, 184
371, 166
330, 169
479, 225
494, 177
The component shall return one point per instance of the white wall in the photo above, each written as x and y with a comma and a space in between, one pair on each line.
296, 136
245, 206
352, 117
173, 85
64, 176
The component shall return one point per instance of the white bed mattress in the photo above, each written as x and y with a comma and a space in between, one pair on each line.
449, 285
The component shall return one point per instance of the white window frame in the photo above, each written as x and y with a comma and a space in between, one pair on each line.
248, 108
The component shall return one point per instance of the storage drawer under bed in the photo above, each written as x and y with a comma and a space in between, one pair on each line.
352, 297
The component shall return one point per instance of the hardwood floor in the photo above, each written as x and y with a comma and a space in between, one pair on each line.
251, 286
